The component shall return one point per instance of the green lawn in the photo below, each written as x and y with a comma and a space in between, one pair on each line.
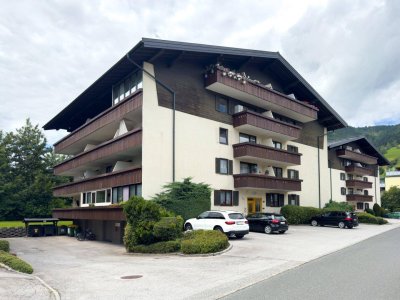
393, 154
22, 224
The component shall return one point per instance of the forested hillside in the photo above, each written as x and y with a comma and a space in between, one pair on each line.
386, 138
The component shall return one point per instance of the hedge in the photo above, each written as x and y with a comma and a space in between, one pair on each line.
160, 247
204, 241
15, 263
168, 228
4, 246
370, 219
299, 214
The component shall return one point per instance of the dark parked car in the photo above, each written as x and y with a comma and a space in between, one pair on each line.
267, 222
336, 218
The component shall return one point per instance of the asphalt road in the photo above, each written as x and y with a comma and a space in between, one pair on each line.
367, 270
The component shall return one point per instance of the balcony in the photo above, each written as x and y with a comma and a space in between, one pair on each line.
257, 181
356, 156
358, 184
359, 198
271, 155
257, 124
260, 96
102, 127
356, 170
103, 213
123, 147
104, 181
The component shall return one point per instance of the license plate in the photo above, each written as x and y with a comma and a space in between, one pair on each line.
239, 222
282, 222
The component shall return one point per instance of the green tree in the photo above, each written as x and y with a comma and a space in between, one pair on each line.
26, 179
391, 199
187, 199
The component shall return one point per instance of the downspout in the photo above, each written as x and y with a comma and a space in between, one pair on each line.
173, 109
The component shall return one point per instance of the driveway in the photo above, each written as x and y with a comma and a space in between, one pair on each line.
87, 270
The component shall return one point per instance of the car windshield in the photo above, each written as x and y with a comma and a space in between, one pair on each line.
236, 216
280, 218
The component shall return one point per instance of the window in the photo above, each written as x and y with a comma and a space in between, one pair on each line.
247, 168
117, 194
221, 105
223, 166
293, 174
346, 162
351, 191
278, 172
100, 196
292, 149
365, 178
223, 136
277, 145
126, 87
294, 200
88, 198
274, 200
350, 177
360, 205
366, 192
83, 198
246, 138
366, 205
342, 176
343, 191
109, 169
135, 190
203, 215
226, 198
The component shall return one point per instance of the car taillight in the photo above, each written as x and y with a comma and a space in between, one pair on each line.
275, 221
348, 219
229, 222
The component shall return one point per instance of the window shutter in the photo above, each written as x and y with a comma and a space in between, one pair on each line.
217, 166
235, 198
217, 198
281, 200
268, 200
296, 174
230, 167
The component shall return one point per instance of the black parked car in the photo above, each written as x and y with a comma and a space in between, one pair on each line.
336, 218
267, 222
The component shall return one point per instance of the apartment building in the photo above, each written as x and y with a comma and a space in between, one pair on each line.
392, 178
354, 172
243, 121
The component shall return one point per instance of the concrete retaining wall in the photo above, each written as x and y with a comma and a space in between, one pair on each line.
10, 232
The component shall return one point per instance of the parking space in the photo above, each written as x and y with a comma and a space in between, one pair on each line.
83, 270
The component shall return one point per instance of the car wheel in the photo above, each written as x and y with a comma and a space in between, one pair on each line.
314, 223
341, 225
188, 227
219, 229
268, 229
282, 231
239, 236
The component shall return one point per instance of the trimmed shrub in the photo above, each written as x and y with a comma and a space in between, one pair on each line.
370, 219
4, 246
15, 263
160, 247
168, 228
377, 210
370, 211
338, 206
187, 199
381, 221
299, 214
204, 241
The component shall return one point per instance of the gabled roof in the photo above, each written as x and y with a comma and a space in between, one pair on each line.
366, 146
97, 97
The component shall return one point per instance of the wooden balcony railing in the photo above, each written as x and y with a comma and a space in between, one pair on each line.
259, 95
356, 170
121, 144
359, 184
257, 181
269, 125
359, 198
355, 156
103, 213
266, 153
114, 113
104, 181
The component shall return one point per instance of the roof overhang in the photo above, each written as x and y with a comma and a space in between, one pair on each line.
97, 97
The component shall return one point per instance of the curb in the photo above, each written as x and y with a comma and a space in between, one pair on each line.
53, 292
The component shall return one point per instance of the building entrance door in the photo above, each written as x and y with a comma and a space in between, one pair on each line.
253, 205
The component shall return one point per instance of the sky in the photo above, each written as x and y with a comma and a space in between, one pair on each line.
51, 51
